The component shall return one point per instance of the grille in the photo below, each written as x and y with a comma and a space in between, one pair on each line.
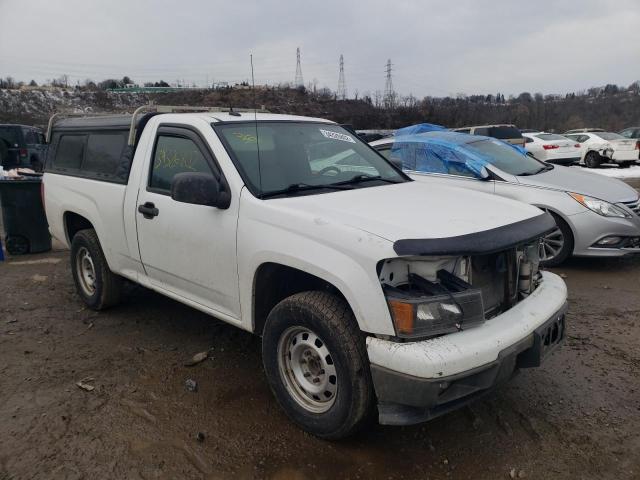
634, 205
496, 275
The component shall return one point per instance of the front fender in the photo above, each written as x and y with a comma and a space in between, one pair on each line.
344, 257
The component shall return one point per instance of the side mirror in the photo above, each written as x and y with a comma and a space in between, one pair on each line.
484, 174
199, 189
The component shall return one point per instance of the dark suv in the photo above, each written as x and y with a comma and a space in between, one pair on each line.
506, 133
22, 146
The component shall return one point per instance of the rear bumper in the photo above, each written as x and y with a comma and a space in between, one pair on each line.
625, 156
417, 381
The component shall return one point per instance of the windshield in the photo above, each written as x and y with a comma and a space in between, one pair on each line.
609, 136
302, 156
507, 158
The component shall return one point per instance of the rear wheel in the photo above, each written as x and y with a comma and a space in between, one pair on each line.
557, 245
316, 363
98, 286
592, 160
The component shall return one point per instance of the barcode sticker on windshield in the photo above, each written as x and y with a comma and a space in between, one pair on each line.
337, 136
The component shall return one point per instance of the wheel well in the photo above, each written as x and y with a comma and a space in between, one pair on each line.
561, 217
73, 223
275, 282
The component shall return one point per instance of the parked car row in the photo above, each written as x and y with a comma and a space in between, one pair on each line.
589, 146
596, 147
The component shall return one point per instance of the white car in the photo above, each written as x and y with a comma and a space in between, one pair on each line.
552, 148
366, 287
606, 147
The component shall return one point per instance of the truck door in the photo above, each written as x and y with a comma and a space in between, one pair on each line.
188, 250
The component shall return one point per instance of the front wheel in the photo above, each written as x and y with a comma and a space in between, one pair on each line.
315, 360
557, 245
98, 286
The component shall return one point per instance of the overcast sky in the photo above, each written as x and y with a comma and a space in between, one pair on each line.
436, 47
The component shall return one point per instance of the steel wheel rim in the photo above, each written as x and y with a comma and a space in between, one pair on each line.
307, 369
551, 245
86, 271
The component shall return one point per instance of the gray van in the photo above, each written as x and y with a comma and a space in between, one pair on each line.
22, 146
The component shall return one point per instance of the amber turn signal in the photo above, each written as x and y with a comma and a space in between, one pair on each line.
403, 315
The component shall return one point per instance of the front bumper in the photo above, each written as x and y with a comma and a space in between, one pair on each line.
417, 381
589, 228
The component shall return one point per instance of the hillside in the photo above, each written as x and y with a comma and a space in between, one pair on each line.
610, 111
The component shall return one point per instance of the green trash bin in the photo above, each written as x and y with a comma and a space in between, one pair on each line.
25, 223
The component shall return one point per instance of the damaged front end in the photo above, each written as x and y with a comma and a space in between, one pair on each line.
443, 285
436, 288
430, 296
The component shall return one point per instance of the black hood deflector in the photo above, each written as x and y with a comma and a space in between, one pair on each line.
479, 243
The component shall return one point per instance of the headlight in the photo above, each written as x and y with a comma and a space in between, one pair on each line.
601, 207
435, 315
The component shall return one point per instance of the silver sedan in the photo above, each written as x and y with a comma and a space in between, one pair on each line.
595, 215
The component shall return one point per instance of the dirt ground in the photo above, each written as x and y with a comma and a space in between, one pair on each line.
576, 417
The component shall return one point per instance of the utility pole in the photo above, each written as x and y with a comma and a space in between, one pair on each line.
299, 82
342, 84
389, 94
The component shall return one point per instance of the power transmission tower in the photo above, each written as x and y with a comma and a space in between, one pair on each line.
389, 94
299, 82
342, 84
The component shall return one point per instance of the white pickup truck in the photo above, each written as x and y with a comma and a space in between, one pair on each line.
369, 290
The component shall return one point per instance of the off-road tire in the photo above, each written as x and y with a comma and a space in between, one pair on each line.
592, 160
331, 319
108, 286
567, 248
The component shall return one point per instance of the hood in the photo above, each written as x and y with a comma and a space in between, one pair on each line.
410, 210
571, 179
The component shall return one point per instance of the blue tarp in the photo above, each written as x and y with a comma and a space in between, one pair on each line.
419, 128
439, 151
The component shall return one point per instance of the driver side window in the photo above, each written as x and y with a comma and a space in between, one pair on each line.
173, 155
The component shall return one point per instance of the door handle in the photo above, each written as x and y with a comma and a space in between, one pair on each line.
148, 210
